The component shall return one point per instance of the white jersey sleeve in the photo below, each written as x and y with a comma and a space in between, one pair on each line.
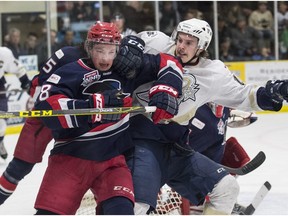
156, 42
211, 81
208, 81
9, 64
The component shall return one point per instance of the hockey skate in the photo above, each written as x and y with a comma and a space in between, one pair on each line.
3, 151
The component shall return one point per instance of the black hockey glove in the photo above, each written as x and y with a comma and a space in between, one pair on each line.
165, 99
277, 90
129, 57
109, 98
25, 82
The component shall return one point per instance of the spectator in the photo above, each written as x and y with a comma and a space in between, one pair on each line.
14, 42
119, 20
232, 10
68, 39
134, 15
168, 17
30, 46
284, 44
244, 39
42, 49
224, 31
225, 53
264, 55
192, 13
148, 16
83, 11
68, 14
262, 20
282, 16
224, 35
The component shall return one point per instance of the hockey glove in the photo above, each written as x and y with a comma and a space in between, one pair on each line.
109, 98
277, 90
165, 99
129, 57
25, 83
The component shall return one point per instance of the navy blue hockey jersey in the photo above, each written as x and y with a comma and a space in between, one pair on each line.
70, 87
207, 134
59, 58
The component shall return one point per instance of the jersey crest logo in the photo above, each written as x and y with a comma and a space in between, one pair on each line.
221, 127
100, 86
151, 33
189, 89
90, 78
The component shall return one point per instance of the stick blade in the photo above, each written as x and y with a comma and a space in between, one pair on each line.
255, 163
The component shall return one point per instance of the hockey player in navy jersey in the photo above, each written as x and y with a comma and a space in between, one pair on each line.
192, 175
9, 64
88, 150
34, 136
207, 134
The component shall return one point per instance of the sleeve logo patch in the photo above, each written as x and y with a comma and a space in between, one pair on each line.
54, 79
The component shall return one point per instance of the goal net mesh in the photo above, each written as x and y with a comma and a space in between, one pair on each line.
169, 202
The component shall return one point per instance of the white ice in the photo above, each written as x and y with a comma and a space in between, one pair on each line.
268, 134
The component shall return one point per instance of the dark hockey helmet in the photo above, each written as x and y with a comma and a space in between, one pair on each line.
103, 32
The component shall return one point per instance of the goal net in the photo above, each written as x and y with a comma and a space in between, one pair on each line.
169, 202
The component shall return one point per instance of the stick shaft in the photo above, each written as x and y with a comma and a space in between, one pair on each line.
53, 113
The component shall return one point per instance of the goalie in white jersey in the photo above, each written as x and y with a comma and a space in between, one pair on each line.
9, 64
204, 80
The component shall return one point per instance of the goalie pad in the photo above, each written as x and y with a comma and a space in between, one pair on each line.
234, 155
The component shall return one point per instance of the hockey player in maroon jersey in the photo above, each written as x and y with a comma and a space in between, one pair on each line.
88, 150
34, 136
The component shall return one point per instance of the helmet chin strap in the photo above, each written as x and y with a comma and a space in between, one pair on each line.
190, 62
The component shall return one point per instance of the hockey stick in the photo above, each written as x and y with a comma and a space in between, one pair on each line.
258, 198
265, 188
250, 166
12, 90
53, 113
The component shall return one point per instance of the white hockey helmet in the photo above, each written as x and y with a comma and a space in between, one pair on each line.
197, 28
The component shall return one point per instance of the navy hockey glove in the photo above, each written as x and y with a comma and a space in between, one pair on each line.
109, 98
277, 90
165, 99
129, 57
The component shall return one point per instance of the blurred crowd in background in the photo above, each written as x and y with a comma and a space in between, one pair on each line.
246, 29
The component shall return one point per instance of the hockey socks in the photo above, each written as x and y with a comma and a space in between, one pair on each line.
6, 188
16, 170
117, 206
